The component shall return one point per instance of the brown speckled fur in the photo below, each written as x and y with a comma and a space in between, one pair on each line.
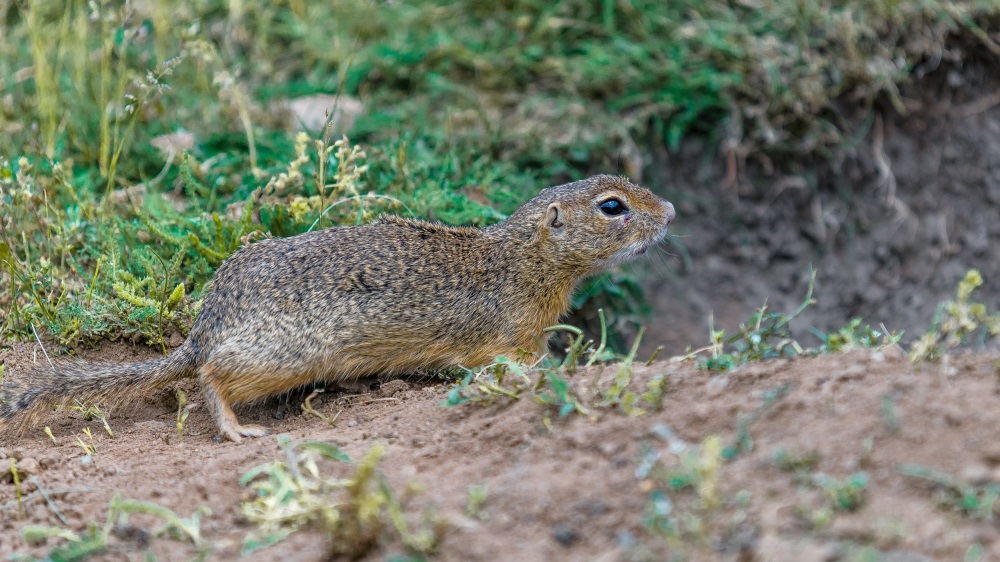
390, 297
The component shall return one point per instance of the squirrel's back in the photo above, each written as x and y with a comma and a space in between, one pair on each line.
379, 291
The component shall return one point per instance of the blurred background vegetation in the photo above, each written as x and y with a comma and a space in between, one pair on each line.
141, 143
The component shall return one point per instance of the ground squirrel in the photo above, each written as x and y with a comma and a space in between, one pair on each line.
390, 297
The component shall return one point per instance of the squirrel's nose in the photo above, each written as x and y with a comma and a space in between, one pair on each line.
668, 211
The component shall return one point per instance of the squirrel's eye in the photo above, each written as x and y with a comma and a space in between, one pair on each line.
612, 207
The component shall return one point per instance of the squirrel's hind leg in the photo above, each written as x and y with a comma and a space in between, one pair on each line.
214, 389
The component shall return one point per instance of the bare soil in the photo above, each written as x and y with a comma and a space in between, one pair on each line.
574, 489
890, 227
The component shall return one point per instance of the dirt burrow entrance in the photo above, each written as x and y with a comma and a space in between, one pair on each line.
890, 229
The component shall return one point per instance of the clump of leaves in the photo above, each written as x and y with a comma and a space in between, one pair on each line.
846, 494
839, 495
765, 336
622, 396
90, 412
553, 390
698, 469
796, 462
502, 379
76, 546
355, 511
89, 447
977, 502
543, 378
506, 379
547, 380
618, 394
856, 335
97, 538
955, 321
478, 494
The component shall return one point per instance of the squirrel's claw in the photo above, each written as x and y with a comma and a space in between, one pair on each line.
236, 433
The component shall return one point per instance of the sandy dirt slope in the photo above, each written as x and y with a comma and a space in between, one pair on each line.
581, 488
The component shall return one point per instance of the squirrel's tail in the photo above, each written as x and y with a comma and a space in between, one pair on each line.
21, 404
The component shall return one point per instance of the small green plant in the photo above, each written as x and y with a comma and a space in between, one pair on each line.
176, 526
547, 380
556, 393
478, 494
669, 513
353, 511
856, 335
656, 390
889, 413
183, 411
88, 446
796, 462
839, 495
765, 336
847, 494
619, 395
977, 502
974, 553
502, 379
97, 538
955, 321
91, 412
76, 546
16, 476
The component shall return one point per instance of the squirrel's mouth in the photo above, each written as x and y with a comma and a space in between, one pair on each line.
624, 255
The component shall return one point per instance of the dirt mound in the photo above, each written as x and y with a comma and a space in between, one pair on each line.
816, 459
890, 228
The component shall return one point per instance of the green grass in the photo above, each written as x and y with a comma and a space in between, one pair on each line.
767, 335
97, 538
978, 502
354, 512
471, 107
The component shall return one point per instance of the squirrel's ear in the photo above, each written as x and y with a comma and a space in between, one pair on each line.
555, 219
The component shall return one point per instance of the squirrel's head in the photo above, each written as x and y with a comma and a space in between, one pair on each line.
599, 222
